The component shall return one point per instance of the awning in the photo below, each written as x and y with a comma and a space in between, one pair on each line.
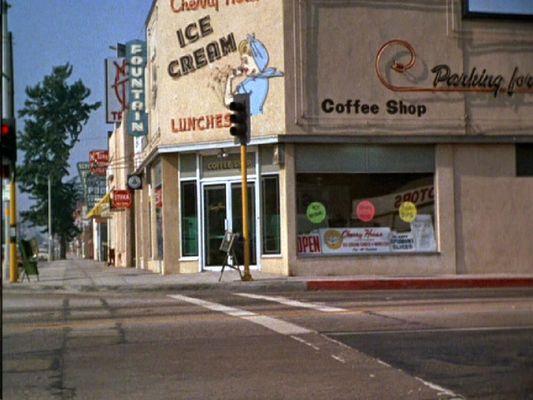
102, 208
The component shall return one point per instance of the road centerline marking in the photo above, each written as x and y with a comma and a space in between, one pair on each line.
274, 324
293, 303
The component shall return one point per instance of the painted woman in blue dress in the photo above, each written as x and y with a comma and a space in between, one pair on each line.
254, 67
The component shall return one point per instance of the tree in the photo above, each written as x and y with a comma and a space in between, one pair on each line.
55, 112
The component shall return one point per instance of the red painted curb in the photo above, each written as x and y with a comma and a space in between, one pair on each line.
394, 284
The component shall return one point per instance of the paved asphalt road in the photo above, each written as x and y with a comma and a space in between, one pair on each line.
301, 345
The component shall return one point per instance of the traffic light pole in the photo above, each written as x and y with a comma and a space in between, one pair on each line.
13, 270
245, 227
9, 113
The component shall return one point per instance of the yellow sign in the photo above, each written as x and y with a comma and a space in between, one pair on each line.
407, 211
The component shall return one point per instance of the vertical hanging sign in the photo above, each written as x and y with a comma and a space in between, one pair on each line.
116, 77
137, 119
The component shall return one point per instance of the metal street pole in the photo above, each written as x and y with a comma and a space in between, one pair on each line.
13, 271
8, 111
245, 228
50, 258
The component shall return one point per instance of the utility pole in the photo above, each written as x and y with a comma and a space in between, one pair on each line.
8, 112
245, 228
50, 237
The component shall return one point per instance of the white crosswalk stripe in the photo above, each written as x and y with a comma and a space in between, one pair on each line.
293, 303
274, 324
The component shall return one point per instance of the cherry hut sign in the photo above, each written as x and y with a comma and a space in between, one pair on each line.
121, 199
98, 161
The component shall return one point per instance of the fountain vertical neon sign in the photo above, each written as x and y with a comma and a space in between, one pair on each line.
137, 120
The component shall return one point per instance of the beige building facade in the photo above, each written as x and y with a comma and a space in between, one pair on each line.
120, 223
387, 138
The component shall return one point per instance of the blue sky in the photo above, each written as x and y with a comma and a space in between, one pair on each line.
47, 33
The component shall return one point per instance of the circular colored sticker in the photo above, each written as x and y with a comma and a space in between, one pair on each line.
407, 211
333, 239
365, 211
316, 212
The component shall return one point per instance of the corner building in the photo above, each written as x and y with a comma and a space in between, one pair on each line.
388, 138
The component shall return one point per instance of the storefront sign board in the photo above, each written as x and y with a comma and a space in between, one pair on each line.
137, 119
390, 203
99, 161
116, 76
83, 172
215, 58
309, 244
159, 198
423, 233
365, 211
122, 199
402, 242
316, 212
96, 189
407, 211
355, 240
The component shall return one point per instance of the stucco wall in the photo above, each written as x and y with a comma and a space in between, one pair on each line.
171, 231
200, 93
331, 52
497, 224
494, 211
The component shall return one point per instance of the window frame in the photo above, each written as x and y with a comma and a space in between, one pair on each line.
195, 184
263, 225
391, 253
479, 15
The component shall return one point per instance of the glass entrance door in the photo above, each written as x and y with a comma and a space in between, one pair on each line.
223, 210
215, 212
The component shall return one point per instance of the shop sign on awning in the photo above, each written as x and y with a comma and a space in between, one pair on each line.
121, 199
102, 208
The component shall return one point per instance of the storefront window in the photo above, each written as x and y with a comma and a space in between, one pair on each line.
362, 213
158, 202
271, 215
524, 159
159, 221
189, 219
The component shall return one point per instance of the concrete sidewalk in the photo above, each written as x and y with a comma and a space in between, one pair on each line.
87, 275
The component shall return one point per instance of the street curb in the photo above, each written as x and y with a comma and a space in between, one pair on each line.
419, 283
255, 286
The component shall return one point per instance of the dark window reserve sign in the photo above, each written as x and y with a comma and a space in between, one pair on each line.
358, 107
96, 190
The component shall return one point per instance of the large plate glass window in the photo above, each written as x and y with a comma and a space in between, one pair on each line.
189, 219
365, 200
271, 215
158, 203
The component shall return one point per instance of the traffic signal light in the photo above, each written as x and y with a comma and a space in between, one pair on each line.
9, 141
240, 118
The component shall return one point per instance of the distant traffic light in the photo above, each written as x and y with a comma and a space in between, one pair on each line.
240, 118
9, 141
